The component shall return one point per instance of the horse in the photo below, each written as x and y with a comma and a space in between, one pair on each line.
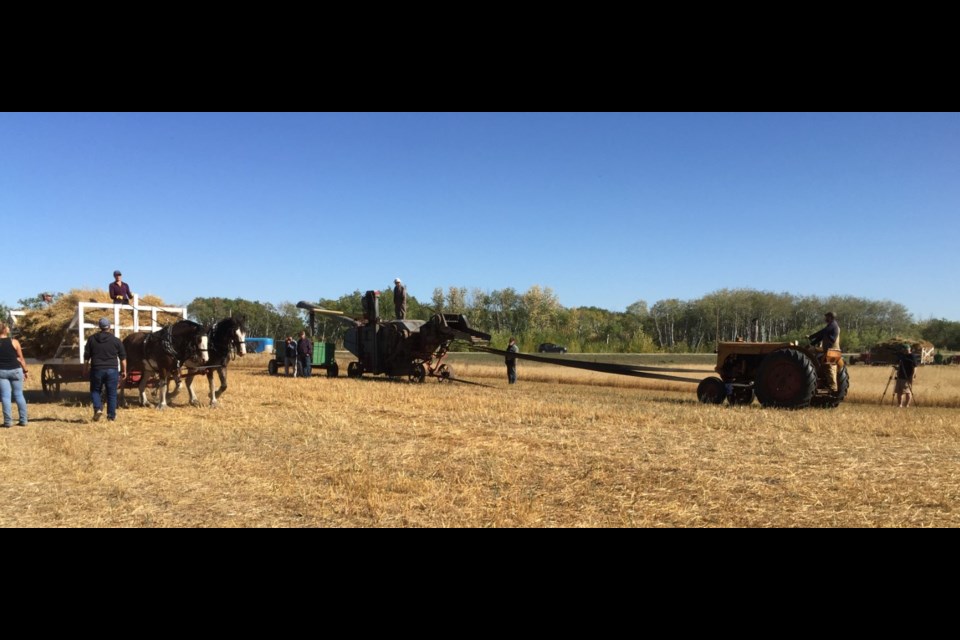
163, 352
226, 338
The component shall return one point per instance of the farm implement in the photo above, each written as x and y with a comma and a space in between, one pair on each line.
779, 375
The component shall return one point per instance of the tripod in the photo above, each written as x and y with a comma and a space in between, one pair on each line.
892, 373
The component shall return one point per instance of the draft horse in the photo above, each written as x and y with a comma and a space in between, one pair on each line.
162, 353
227, 339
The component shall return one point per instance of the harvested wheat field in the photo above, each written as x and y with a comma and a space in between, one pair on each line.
562, 448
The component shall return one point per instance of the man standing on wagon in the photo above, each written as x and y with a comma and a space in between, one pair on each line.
119, 290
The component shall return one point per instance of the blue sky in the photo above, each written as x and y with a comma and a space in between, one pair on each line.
603, 208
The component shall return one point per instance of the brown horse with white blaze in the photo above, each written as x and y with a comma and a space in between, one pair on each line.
226, 339
163, 353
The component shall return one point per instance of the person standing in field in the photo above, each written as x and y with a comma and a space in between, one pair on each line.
103, 353
305, 354
511, 360
906, 374
399, 299
119, 290
289, 356
829, 338
13, 372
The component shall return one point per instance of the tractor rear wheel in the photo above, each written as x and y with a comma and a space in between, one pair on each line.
711, 391
786, 379
833, 400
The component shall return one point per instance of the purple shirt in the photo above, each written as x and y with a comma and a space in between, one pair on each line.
120, 293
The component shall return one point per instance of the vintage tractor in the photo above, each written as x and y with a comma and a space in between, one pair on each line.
780, 374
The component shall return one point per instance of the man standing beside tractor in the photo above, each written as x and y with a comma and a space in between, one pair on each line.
829, 339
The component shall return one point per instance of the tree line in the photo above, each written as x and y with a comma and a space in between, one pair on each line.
672, 325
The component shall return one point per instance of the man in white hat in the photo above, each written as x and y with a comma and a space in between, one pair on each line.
399, 299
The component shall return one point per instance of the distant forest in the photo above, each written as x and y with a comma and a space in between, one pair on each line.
676, 326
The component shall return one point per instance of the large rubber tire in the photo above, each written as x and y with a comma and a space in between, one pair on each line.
843, 385
786, 379
333, 370
711, 391
272, 367
354, 370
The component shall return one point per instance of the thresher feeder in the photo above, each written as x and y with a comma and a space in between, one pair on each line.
397, 348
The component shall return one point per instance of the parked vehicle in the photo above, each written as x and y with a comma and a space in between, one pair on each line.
549, 347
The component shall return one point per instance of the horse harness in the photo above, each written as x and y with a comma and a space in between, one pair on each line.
180, 350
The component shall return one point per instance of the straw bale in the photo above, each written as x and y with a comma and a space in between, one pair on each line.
41, 331
888, 350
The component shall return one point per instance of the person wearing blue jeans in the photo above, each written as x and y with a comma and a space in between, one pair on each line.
13, 370
100, 357
305, 354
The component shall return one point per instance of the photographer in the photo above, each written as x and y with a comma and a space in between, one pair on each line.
906, 374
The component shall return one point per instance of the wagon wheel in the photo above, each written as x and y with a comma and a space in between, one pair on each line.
444, 373
418, 372
354, 369
50, 380
272, 367
333, 370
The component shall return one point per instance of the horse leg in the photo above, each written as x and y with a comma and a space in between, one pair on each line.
222, 372
213, 395
142, 388
194, 400
163, 391
176, 389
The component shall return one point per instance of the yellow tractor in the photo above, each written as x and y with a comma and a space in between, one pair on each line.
779, 374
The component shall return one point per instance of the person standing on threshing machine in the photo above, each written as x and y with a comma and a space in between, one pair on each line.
906, 374
119, 290
511, 360
828, 338
399, 299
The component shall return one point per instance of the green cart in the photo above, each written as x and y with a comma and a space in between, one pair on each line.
324, 357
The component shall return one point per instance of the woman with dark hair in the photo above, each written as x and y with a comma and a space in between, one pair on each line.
13, 371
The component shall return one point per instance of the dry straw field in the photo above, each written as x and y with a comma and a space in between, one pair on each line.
562, 448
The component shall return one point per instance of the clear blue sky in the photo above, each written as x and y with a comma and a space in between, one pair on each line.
603, 208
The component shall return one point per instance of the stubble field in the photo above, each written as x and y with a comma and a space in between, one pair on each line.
562, 448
